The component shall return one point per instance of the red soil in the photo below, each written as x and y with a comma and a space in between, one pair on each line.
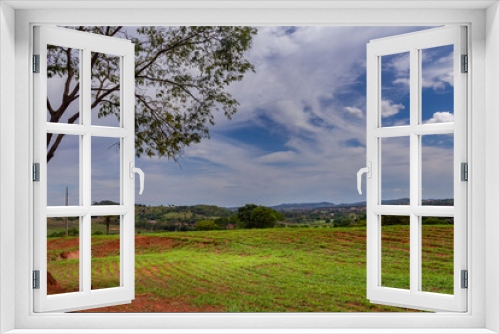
110, 247
62, 243
52, 286
107, 248
159, 243
70, 255
150, 303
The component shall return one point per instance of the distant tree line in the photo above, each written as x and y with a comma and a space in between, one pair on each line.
249, 216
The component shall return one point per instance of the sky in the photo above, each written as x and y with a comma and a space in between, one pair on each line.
300, 132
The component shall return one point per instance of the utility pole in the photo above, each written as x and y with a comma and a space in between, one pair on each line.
67, 224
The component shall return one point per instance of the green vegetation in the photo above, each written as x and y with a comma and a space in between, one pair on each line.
253, 216
206, 225
261, 270
190, 69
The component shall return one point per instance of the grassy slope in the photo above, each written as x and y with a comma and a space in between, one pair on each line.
277, 270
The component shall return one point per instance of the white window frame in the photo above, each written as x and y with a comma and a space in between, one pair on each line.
483, 21
414, 43
86, 43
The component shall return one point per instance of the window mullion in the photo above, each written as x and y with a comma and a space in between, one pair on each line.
415, 268
86, 167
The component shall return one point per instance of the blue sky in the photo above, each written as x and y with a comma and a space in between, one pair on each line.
299, 134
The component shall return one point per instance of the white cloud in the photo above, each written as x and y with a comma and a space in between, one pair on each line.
390, 109
356, 112
403, 81
441, 117
399, 66
278, 157
299, 78
437, 73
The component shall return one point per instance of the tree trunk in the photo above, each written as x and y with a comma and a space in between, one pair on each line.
107, 225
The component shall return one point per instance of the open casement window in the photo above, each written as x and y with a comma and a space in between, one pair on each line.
400, 146
94, 154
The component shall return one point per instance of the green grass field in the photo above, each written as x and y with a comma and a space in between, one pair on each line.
273, 270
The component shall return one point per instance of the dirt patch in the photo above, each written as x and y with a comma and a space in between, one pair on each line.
152, 271
53, 286
349, 236
440, 255
395, 248
111, 247
150, 303
62, 243
70, 255
108, 248
159, 244
116, 270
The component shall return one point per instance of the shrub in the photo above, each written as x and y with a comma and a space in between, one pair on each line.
343, 223
206, 225
436, 221
253, 216
73, 232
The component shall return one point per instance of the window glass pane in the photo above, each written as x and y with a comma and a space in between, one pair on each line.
437, 84
63, 85
105, 89
63, 255
63, 169
105, 252
395, 92
395, 174
395, 266
437, 170
105, 171
437, 254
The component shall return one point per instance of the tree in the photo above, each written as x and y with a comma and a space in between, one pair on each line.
206, 225
342, 223
245, 212
182, 75
263, 217
436, 221
108, 221
395, 220
222, 222
253, 216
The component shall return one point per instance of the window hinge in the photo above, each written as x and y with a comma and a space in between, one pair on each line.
465, 279
36, 279
36, 172
464, 168
465, 64
36, 63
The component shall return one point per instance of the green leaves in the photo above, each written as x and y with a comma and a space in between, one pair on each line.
189, 70
182, 76
253, 216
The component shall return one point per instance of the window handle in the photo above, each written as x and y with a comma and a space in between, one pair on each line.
368, 171
141, 175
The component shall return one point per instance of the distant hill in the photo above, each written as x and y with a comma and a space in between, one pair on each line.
318, 205
302, 206
404, 201
296, 206
155, 212
216, 211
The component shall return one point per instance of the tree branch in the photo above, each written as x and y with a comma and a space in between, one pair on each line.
173, 83
178, 44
